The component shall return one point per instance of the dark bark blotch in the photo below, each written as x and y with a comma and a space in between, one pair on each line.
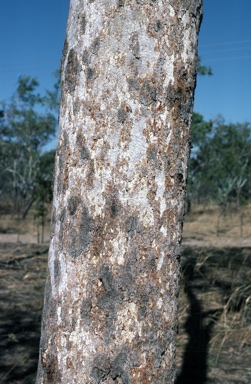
61, 237
122, 115
132, 226
62, 215
101, 368
83, 24
56, 271
152, 154
133, 84
79, 235
134, 45
73, 203
95, 45
114, 207
86, 57
106, 277
148, 93
104, 368
109, 299
142, 313
123, 112
84, 153
86, 228
86, 310
76, 106
125, 282
158, 26
71, 71
90, 73
117, 365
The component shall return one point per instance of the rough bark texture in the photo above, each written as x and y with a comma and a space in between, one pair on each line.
128, 77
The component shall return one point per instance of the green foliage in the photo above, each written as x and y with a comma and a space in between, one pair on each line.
25, 90
44, 177
43, 189
200, 129
202, 69
52, 97
27, 125
220, 165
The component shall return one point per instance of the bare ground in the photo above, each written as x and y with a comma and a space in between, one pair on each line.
22, 276
214, 340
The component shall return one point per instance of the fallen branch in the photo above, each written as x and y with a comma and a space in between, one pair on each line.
17, 259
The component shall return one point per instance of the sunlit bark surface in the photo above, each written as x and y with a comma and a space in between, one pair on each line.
128, 77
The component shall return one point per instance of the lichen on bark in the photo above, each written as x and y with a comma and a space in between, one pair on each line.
128, 77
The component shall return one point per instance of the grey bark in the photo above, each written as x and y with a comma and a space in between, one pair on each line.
128, 79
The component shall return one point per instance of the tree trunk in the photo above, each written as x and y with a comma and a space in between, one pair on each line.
128, 78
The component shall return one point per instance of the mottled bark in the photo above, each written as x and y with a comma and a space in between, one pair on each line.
128, 78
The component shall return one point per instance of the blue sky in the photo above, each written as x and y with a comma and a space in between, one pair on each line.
225, 45
32, 36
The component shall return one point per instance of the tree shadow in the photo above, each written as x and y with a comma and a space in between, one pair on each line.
199, 327
19, 345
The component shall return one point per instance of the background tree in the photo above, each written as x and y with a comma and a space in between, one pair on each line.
203, 69
200, 130
43, 190
128, 78
27, 125
220, 165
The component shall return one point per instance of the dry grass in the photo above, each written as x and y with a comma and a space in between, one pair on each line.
206, 226
215, 298
14, 229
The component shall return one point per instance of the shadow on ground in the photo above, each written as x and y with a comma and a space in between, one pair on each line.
215, 327
22, 276
19, 341
199, 326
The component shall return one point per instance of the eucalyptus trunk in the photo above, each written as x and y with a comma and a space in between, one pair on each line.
111, 297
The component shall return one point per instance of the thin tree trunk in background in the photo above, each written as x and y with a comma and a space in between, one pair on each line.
128, 78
